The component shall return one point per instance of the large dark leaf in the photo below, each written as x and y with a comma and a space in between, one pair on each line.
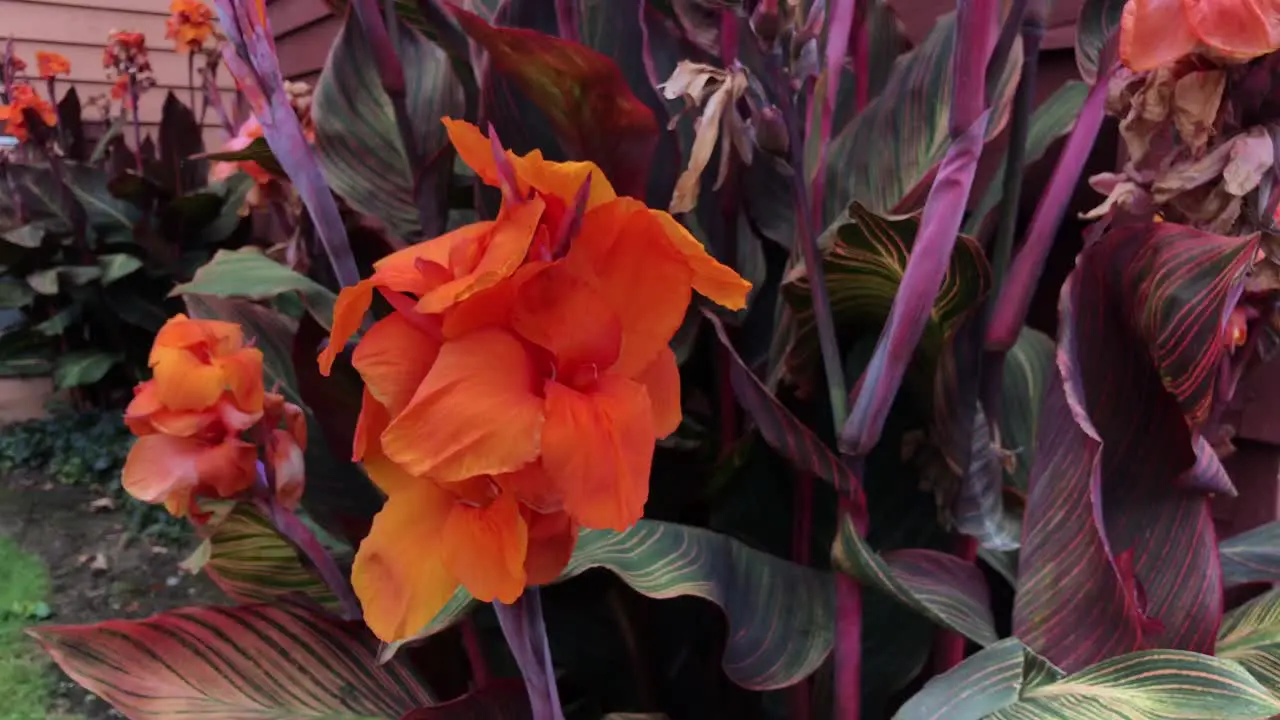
1008, 681
357, 140
71, 126
502, 699
1117, 505
884, 158
781, 615
944, 588
1252, 556
253, 661
583, 94
1027, 370
181, 139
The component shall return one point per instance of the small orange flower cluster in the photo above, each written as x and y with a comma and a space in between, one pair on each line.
1156, 33
206, 393
24, 97
52, 64
189, 26
517, 390
16, 64
125, 53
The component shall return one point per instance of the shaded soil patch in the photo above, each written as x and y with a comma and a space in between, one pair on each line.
97, 570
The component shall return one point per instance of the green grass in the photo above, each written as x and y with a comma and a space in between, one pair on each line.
25, 678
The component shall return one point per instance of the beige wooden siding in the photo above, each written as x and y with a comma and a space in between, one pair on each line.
304, 30
78, 29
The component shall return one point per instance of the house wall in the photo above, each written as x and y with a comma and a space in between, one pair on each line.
78, 29
304, 30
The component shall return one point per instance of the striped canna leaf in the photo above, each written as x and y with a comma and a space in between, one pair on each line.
942, 587
1250, 635
1252, 556
250, 561
358, 142
1117, 489
864, 258
252, 661
1008, 681
886, 156
781, 615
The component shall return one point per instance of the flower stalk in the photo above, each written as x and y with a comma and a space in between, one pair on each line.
526, 634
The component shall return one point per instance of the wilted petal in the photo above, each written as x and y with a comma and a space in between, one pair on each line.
598, 448
1252, 155
399, 574
484, 547
289, 467
476, 413
1196, 99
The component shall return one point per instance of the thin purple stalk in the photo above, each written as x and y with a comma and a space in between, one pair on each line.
137, 122
839, 33
213, 98
1024, 275
191, 77
250, 56
300, 535
976, 27
567, 20
526, 635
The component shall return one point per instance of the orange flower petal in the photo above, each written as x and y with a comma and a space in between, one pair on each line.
661, 379
401, 271
615, 242
183, 382
532, 486
1154, 33
373, 419
393, 357
476, 413
242, 375
484, 547
348, 313
501, 252
218, 336
563, 313
1239, 28
559, 179
552, 537
290, 469
398, 573
598, 448
714, 281
488, 308
160, 467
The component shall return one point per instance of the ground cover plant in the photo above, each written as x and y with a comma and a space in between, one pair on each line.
673, 359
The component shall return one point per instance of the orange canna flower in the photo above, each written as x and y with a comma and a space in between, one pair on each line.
1154, 33
24, 97
189, 26
52, 64
207, 391
17, 64
519, 388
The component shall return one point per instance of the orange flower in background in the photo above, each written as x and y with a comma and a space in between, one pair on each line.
52, 64
519, 388
1154, 33
17, 64
189, 26
24, 97
251, 130
206, 391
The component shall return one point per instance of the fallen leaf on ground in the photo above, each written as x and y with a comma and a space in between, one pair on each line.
102, 504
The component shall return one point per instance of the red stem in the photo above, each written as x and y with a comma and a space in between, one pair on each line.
848, 670
801, 535
948, 649
475, 652
728, 38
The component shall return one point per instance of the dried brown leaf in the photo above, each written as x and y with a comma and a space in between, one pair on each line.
1197, 97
